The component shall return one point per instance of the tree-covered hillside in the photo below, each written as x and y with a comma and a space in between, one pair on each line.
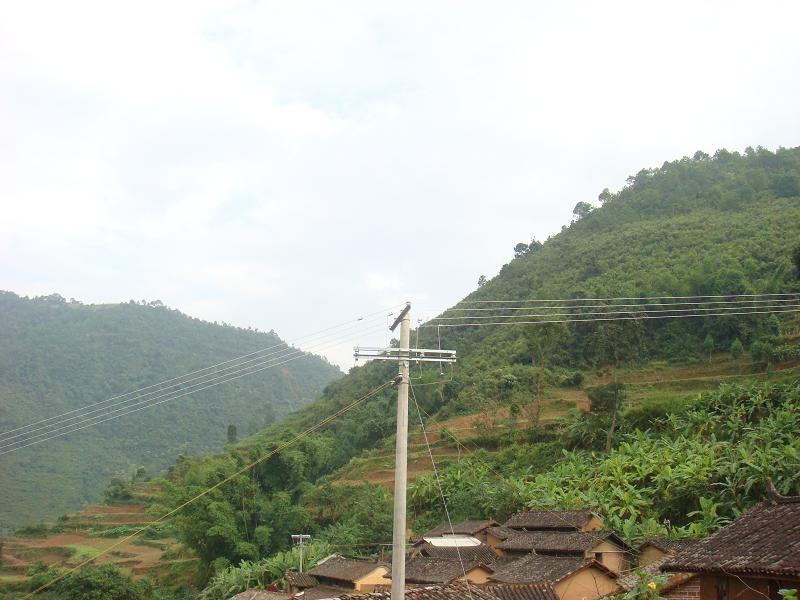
723, 225
56, 356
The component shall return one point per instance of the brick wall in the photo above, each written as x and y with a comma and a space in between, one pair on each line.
688, 590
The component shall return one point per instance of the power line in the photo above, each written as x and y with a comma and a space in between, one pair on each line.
96, 420
629, 298
612, 312
439, 485
638, 318
282, 346
282, 353
568, 306
208, 490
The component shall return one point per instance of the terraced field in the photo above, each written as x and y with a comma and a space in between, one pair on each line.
644, 384
88, 533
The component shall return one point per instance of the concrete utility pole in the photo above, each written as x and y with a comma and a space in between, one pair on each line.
404, 355
300, 540
401, 461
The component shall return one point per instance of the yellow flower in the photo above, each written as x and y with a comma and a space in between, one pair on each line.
652, 585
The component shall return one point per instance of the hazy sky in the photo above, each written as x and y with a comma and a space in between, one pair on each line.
290, 165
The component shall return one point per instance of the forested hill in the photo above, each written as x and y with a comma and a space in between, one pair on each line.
56, 356
705, 225
726, 224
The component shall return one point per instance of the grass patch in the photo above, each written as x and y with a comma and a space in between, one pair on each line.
81, 552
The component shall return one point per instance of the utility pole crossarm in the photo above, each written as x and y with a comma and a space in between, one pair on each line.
416, 355
404, 355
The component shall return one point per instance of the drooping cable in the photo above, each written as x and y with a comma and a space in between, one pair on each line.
611, 312
439, 485
596, 320
282, 346
200, 379
97, 419
208, 490
606, 299
522, 306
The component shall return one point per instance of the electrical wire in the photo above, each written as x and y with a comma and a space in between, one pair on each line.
96, 420
611, 312
208, 490
596, 320
629, 298
285, 351
568, 306
439, 484
282, 345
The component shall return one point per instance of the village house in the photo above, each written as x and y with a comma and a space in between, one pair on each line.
259, 595
566, 521
472, 552
603, 546
555, 520
750, 559
297, 582
475, 529
653, 554
449, 592
336, 575
461, 592
660, 549
425, 570
571, 577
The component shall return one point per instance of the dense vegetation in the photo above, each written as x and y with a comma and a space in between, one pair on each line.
56, 356
722, 225
707, 225
697, 466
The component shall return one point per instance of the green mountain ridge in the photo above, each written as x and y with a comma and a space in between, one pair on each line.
685, 448
56, 356
721, 225
728, 224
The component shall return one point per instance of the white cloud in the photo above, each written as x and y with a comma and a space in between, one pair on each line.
285, 165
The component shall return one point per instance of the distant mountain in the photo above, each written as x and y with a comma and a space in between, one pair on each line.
56, 356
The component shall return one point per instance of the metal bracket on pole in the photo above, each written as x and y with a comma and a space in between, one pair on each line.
404, 355
415, 355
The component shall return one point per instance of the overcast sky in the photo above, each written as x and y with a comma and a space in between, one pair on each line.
290, 165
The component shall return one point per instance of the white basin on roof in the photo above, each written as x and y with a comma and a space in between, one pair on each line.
453, 541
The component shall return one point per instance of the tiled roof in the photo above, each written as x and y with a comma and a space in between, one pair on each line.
535, 568
259, 595
669, 545
629, 580
462, 528
558, 542
482, 553
300, 580
443, 592
763, 541
549, 519
422, 569
501, 532
525, 591
344, 569
322, 592
459, 592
